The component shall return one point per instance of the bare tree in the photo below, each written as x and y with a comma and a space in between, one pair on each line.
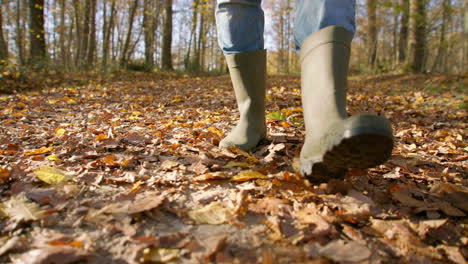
417, 35
372, 34
126, 47
37, 31
3, 43
107, 30
167, 38
403, 41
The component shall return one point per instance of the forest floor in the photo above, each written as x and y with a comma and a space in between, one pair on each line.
128, 170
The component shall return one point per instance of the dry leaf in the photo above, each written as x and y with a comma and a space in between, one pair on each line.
169, 164
19, 209
160, 255
251, 159
211, 176
212, 214
60, 132
42, 150
51, 254
52, 175
4, 175
233, 164
216, 131
340, 251
248, 175
270, 205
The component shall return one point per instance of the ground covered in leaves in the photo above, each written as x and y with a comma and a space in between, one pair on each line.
128, 171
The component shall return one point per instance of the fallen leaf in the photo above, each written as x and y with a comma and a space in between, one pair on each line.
340, 251
42, 150
52, 175
212, 214
146, 202
20, 209
211, 176
160, 255
233, 164
101, 137
248, 175
4, 175
198, 168
270, 205
169, 164
250, 158
216, 131
310, 216
51, 254
109, 160
60, 132
452, 193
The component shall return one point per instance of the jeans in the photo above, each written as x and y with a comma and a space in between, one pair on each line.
241, 23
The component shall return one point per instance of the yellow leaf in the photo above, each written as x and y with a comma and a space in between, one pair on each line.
219, 175
101, 137
212, 214
73, 91
160, 255
249, 157
177, 100
248, 175
59, 132
72, 101
42, 150
216, 131
239, 164
134, 118
18, 115
53, 157
52, 175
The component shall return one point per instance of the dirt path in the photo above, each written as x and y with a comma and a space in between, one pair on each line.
129, 171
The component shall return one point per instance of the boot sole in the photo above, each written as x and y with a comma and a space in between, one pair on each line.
359, 149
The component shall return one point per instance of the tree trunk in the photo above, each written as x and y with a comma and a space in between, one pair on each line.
62, 37
19, 34
371, 6
417, 36
192, 35
441, 50
78, 31
90, 56
148, 27
124, 56
465, 37
197, 65
107, 35
3, 43
403, 41
85, 34
37, 31
167, 38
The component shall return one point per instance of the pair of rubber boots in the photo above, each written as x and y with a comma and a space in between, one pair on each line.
334, 142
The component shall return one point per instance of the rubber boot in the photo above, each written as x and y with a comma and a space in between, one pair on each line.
248, 75
335, 142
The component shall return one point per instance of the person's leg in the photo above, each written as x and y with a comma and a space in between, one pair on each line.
240, 26
312, 16
334, 142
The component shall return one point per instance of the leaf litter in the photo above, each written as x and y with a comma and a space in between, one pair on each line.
129, 171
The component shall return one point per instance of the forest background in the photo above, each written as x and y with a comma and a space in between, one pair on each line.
106, 35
